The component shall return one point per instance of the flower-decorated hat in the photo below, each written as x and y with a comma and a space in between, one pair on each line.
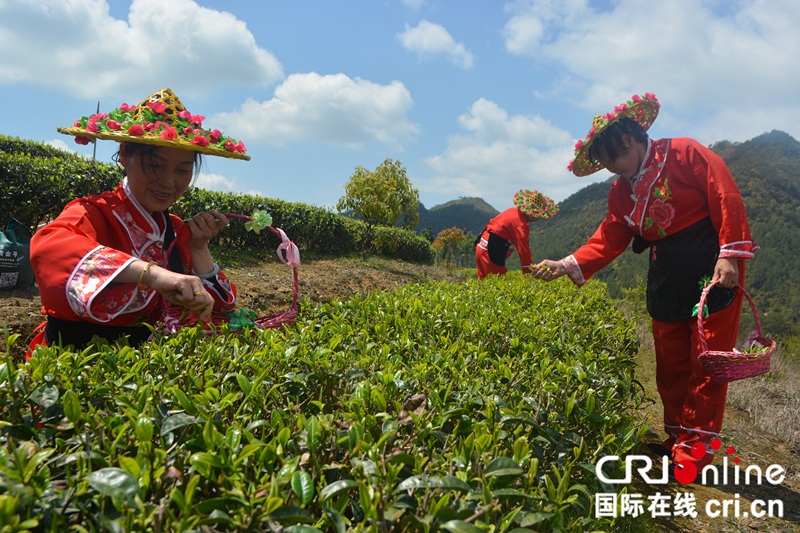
534, 203
160, 119
642, 110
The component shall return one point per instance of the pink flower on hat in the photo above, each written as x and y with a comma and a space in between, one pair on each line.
125, 108
214, 136
185, 114
92, 124
169, 134
187, 131
240, 147
230, 146
82, 140
578, 146
199, 140
197, 120
157, 107
77, 124
650, 96
569, 167
149, 126
136, 129
114, 125
636, 98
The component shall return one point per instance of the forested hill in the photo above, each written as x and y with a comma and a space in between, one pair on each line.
469, 214
767, 171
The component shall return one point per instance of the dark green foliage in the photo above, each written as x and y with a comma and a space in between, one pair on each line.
35, 185
15, 145
37, 181
414, 409
469, 214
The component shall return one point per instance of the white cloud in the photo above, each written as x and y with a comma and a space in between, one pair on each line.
429, 40
701, 58
332, 109
217, 182
414, 4
75, 45
61, 145
501, 154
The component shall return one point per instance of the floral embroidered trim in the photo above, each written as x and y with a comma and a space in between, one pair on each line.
743, 249
644, 184
229, 299
573, 270
93, 273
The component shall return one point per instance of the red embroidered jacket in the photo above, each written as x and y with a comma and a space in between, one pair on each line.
512, 225
681, 183
77, 256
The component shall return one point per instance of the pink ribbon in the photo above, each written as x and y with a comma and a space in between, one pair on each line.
291, 255
751, 339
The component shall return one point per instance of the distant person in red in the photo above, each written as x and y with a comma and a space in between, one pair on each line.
677, 198
511, 228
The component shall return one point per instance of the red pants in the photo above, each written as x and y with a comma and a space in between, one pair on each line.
693, 404
485, 265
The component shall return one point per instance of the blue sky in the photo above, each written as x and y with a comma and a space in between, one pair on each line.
475, 98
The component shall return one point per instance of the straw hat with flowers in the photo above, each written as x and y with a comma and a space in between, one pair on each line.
162, 120
642, 110
535, 204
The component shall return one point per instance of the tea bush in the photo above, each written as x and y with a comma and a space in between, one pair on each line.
438, 407
37, 181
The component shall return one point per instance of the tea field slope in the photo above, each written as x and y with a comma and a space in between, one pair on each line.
435, 406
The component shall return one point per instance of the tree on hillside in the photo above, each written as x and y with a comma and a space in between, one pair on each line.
380, 198
447, 243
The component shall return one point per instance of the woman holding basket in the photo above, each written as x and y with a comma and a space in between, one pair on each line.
103, 265
677, 198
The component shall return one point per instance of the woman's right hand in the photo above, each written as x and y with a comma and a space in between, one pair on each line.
548, 270
180, 289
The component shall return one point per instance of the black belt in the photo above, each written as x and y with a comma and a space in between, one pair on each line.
80, 333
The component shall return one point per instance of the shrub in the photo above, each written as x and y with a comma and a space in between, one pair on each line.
414, 409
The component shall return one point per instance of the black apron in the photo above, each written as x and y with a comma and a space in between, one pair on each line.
678, 263
497, 247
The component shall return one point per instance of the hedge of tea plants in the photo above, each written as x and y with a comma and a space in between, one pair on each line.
37, 181
438, 407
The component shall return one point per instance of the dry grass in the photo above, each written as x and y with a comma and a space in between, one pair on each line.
772, 400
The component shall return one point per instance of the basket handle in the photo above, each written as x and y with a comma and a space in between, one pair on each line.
701, 332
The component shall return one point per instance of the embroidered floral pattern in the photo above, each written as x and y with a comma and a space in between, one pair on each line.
94, 272
661, 213
573, 270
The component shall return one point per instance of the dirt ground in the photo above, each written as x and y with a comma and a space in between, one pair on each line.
265, 286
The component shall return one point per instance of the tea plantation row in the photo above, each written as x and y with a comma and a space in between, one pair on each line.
437, 407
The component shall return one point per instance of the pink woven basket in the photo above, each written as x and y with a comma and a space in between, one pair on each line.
171, 314
731, 366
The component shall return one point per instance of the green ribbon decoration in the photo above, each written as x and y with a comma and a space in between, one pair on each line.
260, 220
241, 319
696, 307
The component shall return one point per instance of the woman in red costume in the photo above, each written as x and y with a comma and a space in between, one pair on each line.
508, 229
677, 198
102, 265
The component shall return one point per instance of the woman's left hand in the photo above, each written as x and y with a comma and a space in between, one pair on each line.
727, 272
204, 227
